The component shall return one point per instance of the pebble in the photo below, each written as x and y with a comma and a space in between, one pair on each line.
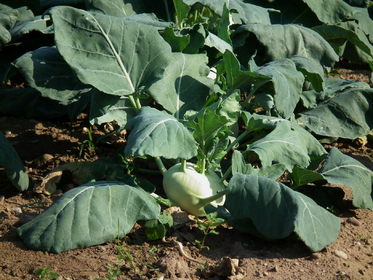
16, 210
340, 254
353, 221
316, 256
2, 199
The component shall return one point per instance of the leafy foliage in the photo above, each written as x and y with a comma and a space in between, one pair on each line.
180, 78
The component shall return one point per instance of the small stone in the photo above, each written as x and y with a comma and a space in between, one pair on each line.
265, 273
316, 256
340, 254
276, 269
353, 221
2, 199
16, 210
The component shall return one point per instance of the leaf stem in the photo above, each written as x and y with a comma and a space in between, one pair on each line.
207, 200
183, 165
226, 174
160, 165
237, 140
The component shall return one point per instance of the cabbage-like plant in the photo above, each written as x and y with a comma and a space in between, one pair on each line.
275, 86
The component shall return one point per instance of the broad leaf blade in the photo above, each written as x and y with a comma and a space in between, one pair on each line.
117, 8
348, 115
287, 85
344, 170
13, 165
239, 165
159, 134
115, 55
248, 13
89, 215
45, 70
284, 41
106, 108
282, 145
185, 85
276, 211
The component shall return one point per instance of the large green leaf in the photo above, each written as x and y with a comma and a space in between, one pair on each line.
239, 165
38, 23
13, 165
287, 85
312, 71
8, 18
158, 134
349, 114
115, 55
340, 169
89, 215
284, 41
185, 85
277, 211
237, 77
345, 170
260, 123
116, 8
247, 13
282, 145
45, 70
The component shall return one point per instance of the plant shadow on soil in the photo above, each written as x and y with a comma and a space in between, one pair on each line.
44, 145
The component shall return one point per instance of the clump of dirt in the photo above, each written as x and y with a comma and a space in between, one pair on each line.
44, 145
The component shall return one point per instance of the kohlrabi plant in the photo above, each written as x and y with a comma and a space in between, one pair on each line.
226, 97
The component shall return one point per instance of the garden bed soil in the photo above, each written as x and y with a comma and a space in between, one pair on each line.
43, 145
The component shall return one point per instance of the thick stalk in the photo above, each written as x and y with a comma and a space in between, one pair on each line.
160, 165
134, 104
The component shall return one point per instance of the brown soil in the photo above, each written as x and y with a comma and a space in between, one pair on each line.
44, 145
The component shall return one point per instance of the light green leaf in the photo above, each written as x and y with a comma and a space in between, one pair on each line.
89, 215
348, 115
185, 85
343, 169
115, 55
277, 211
237, 77
284, 41
158, 134
210, 132
13, 165
282, 145
181, 11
